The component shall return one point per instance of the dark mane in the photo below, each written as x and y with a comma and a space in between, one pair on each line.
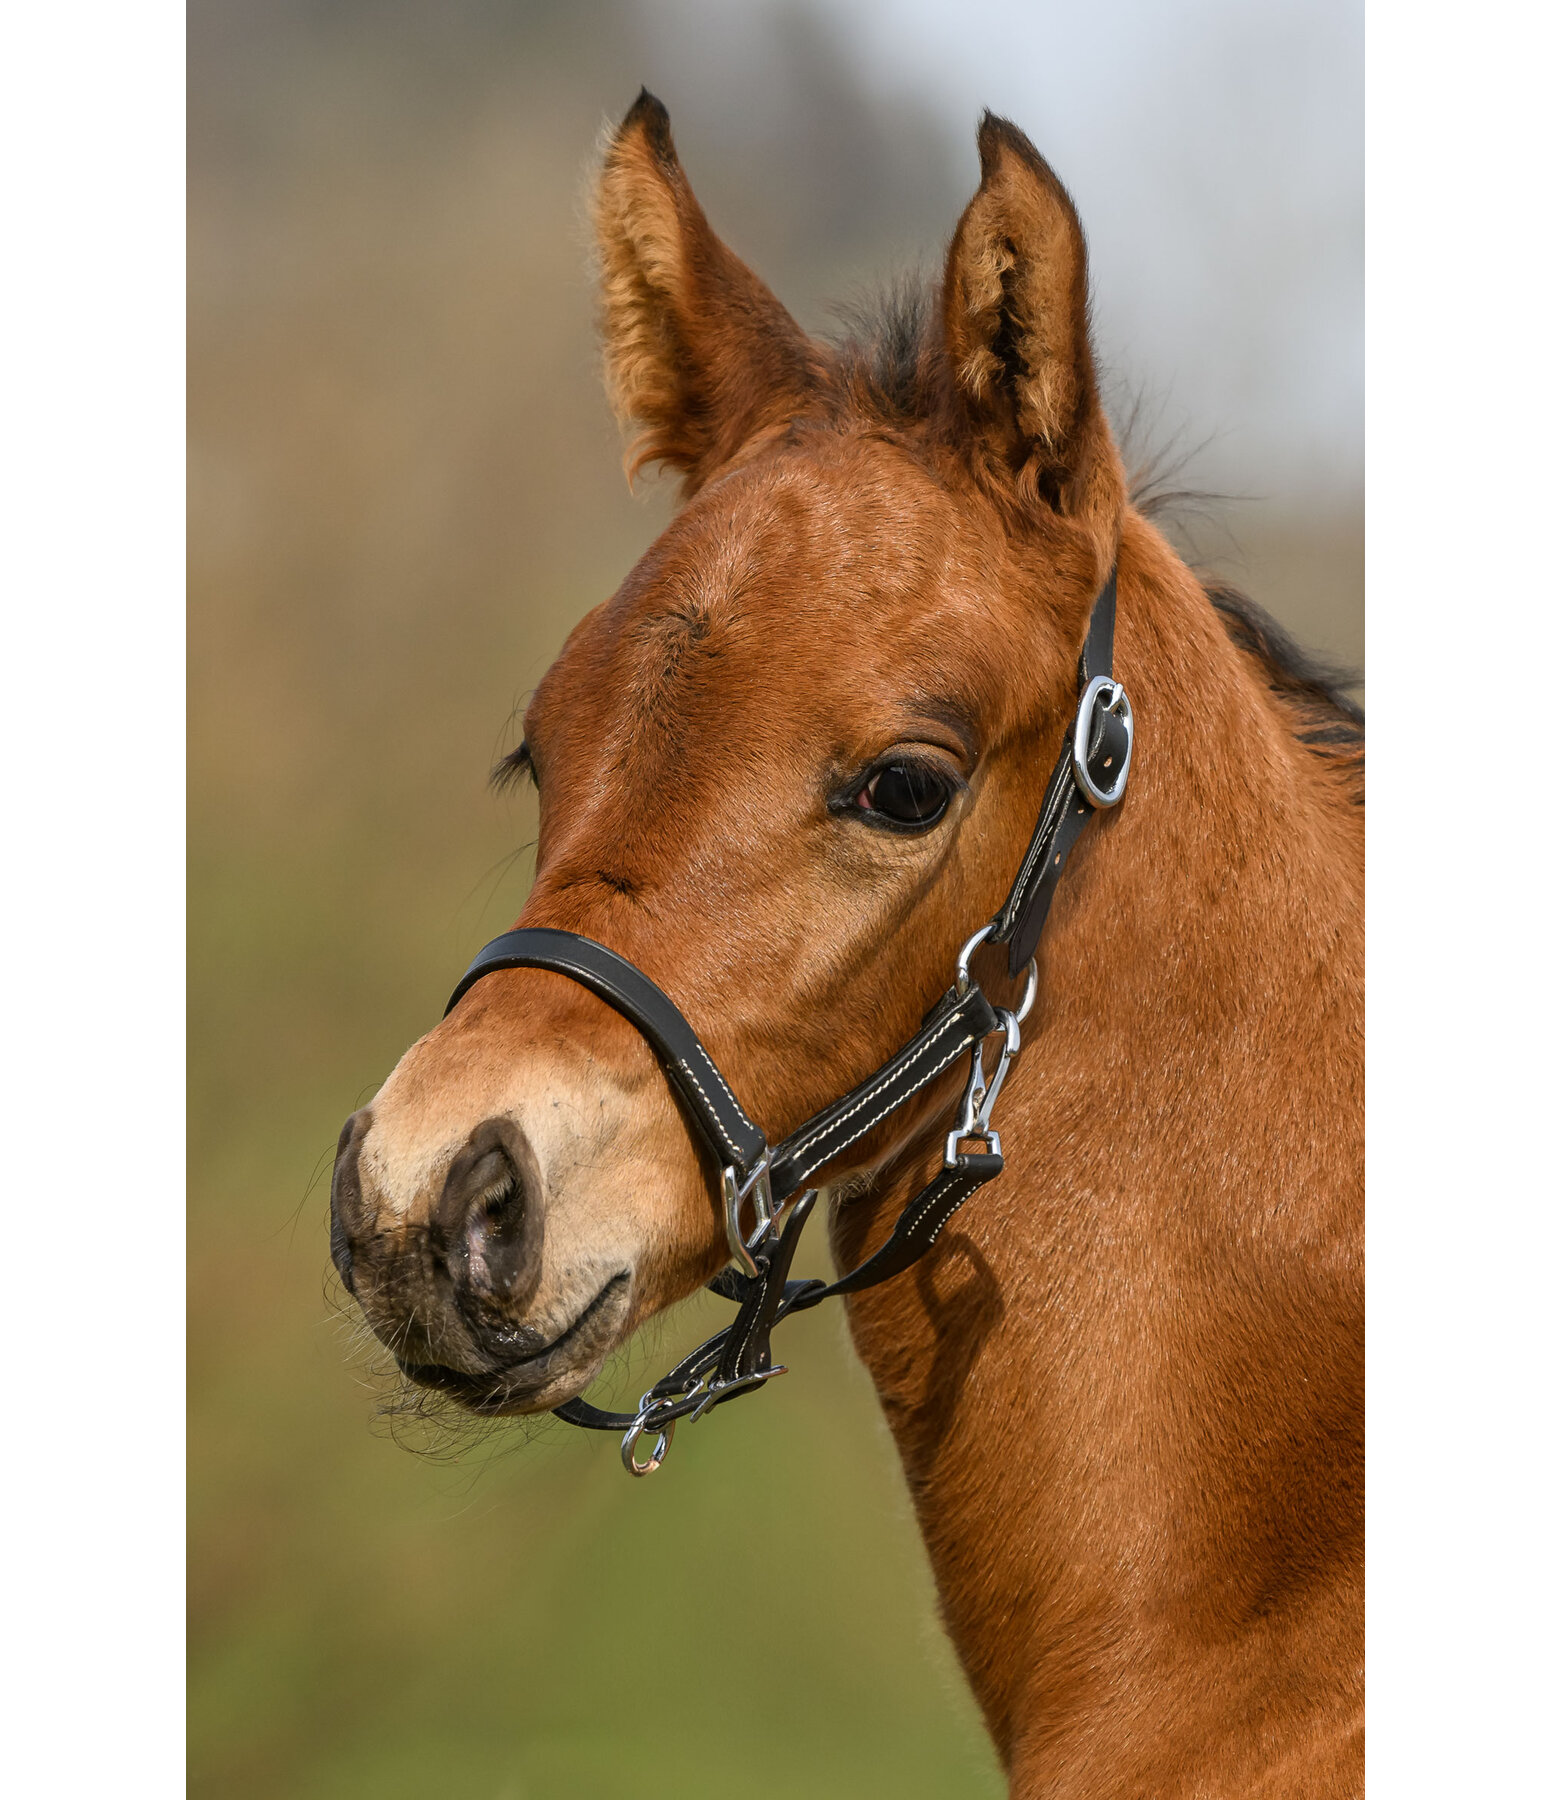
1317, 693
1295, 673
886, 348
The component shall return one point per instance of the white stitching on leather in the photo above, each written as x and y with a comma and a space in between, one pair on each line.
577, 968
949, 1213
1037, 849
729, 1094
805, 1168
955, 1017
710, 1105
916, 1224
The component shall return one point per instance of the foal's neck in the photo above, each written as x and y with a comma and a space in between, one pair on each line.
1126, 1386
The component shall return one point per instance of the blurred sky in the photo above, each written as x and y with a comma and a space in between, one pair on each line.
1214, 148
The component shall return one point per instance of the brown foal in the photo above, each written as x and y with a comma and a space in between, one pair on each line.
1126, 1385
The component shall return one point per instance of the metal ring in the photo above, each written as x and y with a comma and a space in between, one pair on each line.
1030, 992
1118, 706
1030, 986
659, 1449
964, 955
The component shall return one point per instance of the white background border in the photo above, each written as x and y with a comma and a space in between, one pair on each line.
91, 725
91, 736
1457, 604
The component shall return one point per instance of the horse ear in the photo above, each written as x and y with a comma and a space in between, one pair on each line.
1014, 304
698, 353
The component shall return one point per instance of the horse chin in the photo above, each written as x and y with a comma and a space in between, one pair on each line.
537, 1380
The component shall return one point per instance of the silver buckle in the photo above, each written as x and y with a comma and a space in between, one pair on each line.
717, 1391
1117, 706
755, 1190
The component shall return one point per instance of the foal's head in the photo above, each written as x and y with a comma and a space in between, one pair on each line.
785, 769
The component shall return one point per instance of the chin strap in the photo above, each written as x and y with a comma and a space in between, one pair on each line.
764, 1200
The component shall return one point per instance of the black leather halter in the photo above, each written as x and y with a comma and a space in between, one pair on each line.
767, 1186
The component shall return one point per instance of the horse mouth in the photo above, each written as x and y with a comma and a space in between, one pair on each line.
541, 1378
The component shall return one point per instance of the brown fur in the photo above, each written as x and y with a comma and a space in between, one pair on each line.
668, 289
1126, 1386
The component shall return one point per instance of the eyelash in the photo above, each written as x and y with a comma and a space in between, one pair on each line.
515, 768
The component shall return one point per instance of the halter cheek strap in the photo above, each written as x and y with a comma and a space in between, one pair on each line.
758, 1183
1090, 775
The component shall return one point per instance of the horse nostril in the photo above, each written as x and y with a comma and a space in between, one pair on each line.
494, 1236
489, 1220
345, 1210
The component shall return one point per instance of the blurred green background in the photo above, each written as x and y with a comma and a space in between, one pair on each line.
404, 489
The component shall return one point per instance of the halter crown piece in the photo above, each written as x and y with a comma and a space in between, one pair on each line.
763, 1198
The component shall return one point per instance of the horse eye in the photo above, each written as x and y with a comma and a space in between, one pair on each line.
910, 794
